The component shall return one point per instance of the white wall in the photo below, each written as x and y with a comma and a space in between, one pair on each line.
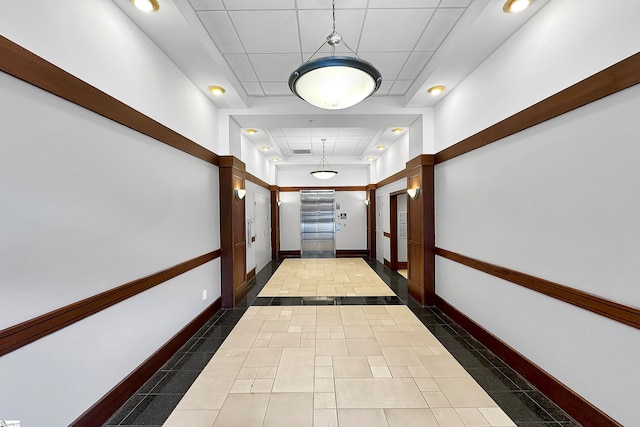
394, 159
402, 241
256, 164
290, 221
299, 176
561, 45
89, 205
556, 201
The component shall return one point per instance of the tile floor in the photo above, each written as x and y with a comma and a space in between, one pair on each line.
324, 383
325, 277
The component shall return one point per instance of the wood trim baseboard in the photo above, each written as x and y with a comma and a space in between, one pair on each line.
102, 410
575, 405
621, 313
402, 265
31, 330
251, 274
343, 188
352, 253
25, 65
617, 77
385, 234
387, 263
289, 254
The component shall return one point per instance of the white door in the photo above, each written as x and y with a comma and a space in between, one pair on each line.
262, 225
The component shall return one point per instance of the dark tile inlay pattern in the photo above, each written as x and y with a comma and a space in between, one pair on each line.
154, 402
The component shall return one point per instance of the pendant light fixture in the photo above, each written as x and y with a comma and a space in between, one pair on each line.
335, 82
322, 173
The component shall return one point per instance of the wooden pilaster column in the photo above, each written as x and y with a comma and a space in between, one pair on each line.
421, 230
232, 232
275, 222
371, 221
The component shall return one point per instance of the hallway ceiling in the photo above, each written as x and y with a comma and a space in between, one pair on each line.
250, 47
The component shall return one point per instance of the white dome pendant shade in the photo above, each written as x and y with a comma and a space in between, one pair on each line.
335, 82
322, 173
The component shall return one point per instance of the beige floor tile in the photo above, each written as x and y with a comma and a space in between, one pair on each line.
303, 319
324, 361
464, 392
376, 361
378, 393
426, 384
262, 385
324, 385
289, 410
325, 418
323, 372
351, 367
422, 338
259, 357
285, 339
240, 339
295, 371
241, 386
391, 339
447, 417
399, 371
496, 417
436, 399
331, 347
266, 372
363, 347
400, 356
471, 417
193, 418
324, 400
443, 366
418, 372
358, 332
380, 371
241, 410
410, 418
361, 417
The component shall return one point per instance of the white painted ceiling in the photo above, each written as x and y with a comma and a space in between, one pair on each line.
250, 47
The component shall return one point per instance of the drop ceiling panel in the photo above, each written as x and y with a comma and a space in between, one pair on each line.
239, 62
388, 63
316, 25
414, 65
291, 132
253, 4
455, 3
392, 30
267, 31
326, 4
206, 4
274, 67
399, 87
398, 4
253, 88
221, 30
442, 22
276, 88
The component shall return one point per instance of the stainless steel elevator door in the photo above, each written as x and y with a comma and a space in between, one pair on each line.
317, 224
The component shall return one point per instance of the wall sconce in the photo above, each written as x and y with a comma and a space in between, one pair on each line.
413, 192
366, 202
239, 193
279, 202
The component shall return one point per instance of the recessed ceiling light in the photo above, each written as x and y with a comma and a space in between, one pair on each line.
251, 131
265, 148
381, 147
146, 5
515, 6
436, 90
396, 130
275, 159
216, 90
370, 158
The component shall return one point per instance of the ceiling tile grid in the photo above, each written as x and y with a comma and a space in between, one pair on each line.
264, 41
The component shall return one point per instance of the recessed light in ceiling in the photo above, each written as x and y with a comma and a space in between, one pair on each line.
275, 159
436, 90
396, 130
146, 5
381, 147
515, 6
371, 158
265, 148
216, 90
251, 131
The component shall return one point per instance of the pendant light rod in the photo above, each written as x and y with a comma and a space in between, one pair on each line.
322, 173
